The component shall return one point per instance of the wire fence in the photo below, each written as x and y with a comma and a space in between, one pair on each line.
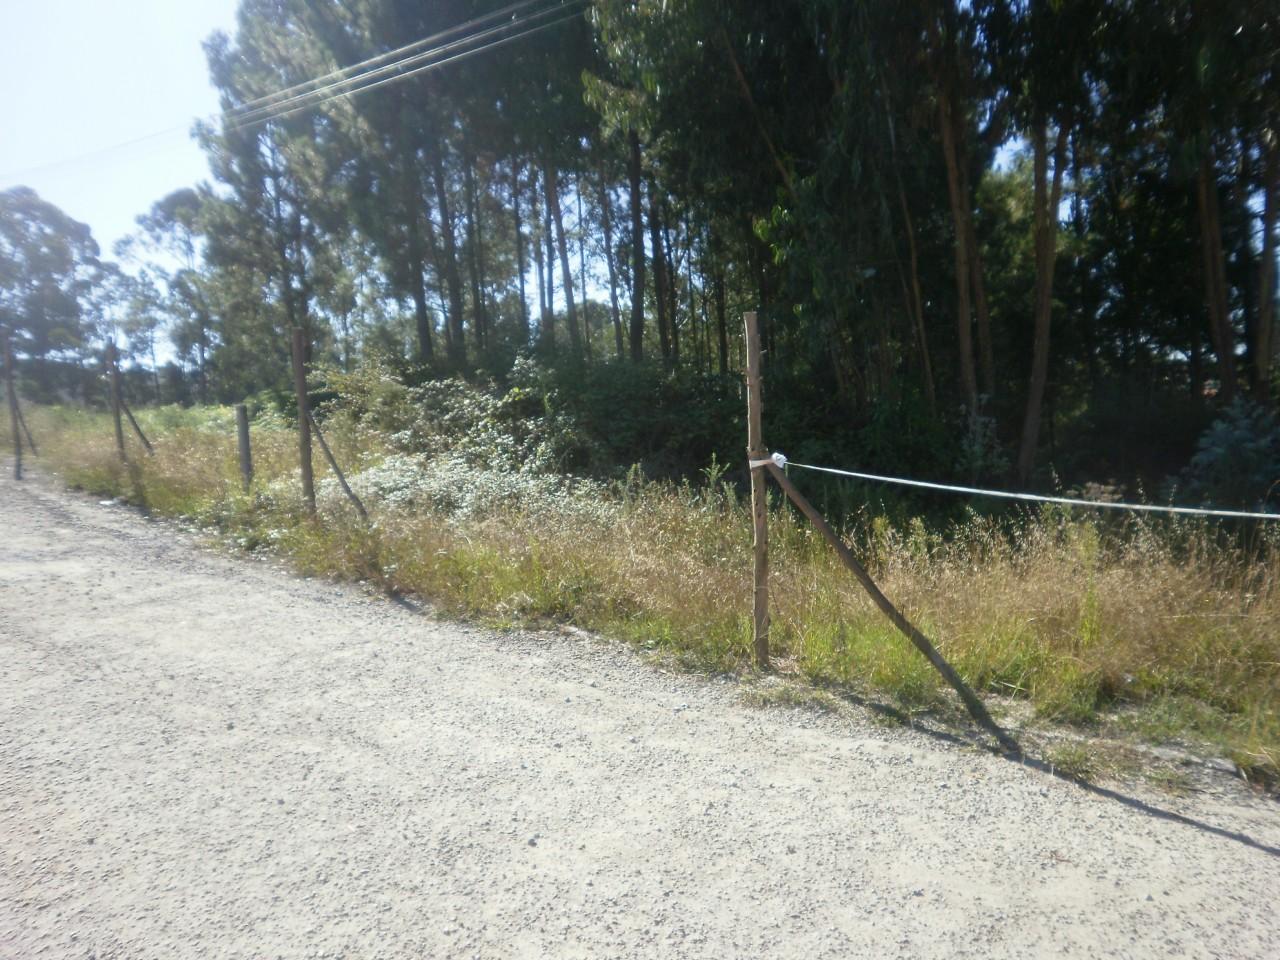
782, 461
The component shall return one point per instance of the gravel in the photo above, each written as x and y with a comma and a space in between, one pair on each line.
204, 756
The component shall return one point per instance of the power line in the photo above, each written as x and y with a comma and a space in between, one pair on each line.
357, 81
402, 76
15, 175
266, 99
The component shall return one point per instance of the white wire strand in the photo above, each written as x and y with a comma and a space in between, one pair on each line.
1038, 498
402, 76
240, 117
256, 103
13, 176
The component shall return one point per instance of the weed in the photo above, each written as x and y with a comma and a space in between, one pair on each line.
1160, 629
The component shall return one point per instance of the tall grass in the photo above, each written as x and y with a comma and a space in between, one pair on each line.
1158, 625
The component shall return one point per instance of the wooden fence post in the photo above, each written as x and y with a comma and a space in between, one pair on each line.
14, 413
136, 429
113, 375
304, 420
759, 498
22, 421
242, 439
337, 471
974, 705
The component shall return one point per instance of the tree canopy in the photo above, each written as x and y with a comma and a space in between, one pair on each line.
1001, 239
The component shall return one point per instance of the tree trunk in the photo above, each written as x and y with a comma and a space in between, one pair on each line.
964, 330
437, 260
155, 371
582, 265
917, 301
553, 206
1215, 274
536, 221
452, 275
722, 330
549, 328
1264, 350
474, 246
1046, 201
637, 249
659, 273
607, 218
515, 205
411, 197
673, 290
417, 286
982, 312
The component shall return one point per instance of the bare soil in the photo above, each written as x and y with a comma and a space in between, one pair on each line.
205, 756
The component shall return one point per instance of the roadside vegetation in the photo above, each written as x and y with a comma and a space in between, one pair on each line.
1162, 629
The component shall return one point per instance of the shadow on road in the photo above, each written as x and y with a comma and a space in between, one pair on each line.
1025, 759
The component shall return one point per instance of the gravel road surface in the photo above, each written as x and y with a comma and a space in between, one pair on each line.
204, 756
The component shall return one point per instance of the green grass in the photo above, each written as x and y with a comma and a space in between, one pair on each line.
1157, 630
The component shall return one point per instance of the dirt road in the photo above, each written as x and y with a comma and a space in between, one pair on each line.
202, 756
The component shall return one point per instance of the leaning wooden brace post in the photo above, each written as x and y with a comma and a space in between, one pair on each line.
759, 499
137, 429
304, 421
14, 413
337, 471
26, 431
242, 440
975, 706
113, 383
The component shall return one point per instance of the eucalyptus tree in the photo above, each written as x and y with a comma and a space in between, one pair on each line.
48, 269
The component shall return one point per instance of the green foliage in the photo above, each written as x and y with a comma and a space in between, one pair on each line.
1237, 460
48, 264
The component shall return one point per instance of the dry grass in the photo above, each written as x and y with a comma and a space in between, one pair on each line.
1158, 626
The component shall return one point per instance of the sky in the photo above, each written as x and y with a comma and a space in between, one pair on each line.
82, 75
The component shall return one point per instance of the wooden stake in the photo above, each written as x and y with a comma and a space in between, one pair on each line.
304, 421
337, 472
22, 421
113, 381
759, 499
975, 706
242, 438
136, 429
14, 413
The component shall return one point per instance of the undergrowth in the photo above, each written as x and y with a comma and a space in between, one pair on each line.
1156, 627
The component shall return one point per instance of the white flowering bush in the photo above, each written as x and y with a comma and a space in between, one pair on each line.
453, 486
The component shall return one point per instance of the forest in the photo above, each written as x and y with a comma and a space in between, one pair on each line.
1030, 243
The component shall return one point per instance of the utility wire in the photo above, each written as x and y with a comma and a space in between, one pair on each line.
241, 122
400, 76
321, 94
408, 48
